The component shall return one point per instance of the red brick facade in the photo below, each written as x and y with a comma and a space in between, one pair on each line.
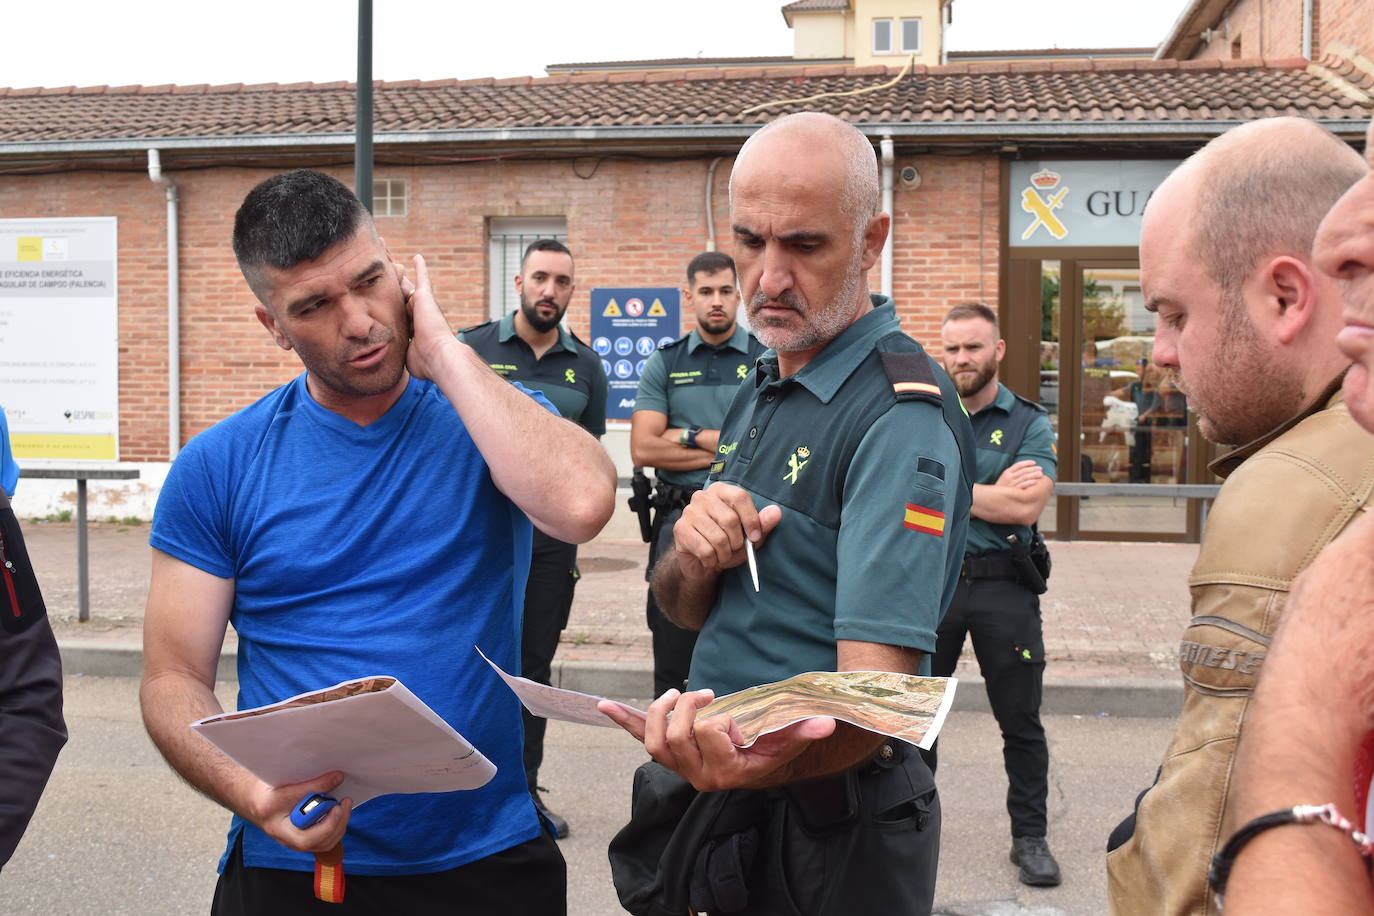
1273, 29
630, 222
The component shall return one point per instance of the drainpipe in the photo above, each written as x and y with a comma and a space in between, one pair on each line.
173, 307
710, 213
1307, 29
888, 164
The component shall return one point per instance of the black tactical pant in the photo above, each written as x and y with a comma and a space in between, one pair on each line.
548, 601
1003, 618
529, 879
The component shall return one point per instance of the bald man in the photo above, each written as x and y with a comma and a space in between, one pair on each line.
1314, 706
846, 460
1248, 324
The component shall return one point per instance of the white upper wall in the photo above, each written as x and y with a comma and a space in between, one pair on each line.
885, 32
820, 36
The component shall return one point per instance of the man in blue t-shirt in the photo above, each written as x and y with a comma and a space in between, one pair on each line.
373, 516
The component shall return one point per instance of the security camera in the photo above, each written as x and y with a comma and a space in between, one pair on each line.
911, 179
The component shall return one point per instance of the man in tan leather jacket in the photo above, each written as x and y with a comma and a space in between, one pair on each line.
1248, 324
1314, 707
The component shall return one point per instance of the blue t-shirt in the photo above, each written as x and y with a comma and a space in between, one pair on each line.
383, 549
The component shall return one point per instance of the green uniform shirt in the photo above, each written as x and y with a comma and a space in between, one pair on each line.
569, 374
692, 383
994, 457
875, 492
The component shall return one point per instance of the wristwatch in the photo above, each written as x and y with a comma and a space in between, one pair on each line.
689, 436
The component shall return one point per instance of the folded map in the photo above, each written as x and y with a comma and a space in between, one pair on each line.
902, 706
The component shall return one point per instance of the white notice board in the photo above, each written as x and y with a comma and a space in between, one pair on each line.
59, 337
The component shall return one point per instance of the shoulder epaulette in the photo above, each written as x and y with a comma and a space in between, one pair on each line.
476, 326
674, 343
1029, 403
910, 371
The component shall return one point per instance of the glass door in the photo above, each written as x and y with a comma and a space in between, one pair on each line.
1080, 341
1132, 421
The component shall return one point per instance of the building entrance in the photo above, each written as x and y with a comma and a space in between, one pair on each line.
1080, 340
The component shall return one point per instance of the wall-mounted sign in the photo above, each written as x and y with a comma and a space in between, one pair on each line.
1081, 202
628, 324
59, 337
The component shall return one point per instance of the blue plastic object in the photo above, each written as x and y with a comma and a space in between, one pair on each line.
308, 812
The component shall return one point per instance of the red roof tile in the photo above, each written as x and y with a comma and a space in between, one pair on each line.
969, 93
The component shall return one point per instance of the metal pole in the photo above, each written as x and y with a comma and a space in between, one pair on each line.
362, 150
83, 563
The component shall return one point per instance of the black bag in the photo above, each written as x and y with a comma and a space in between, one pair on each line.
684, 848
823, 847
31, 727
21, 601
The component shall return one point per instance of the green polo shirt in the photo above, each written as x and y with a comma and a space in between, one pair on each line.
569, 374
692, 382
875, 494
995, 455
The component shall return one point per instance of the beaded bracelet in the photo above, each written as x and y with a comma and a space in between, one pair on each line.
1225, 860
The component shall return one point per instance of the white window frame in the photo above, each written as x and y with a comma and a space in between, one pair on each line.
390, 197
920, 35
891, 39
507, 238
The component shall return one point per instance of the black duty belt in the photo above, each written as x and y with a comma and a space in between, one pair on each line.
989, 566
667, 497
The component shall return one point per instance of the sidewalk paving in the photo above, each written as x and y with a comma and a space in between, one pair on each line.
1113, 616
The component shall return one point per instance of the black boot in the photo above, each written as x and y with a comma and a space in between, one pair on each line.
1038, 867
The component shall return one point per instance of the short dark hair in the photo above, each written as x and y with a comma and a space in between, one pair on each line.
294, 217
710, 262
968, 310
543, 245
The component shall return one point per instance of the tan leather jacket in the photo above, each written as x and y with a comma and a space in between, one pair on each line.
1286, 495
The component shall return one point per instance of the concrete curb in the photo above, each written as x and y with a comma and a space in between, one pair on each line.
1066, 696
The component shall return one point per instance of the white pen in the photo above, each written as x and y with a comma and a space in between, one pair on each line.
753, 563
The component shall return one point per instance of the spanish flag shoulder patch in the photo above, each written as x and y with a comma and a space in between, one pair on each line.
926, 521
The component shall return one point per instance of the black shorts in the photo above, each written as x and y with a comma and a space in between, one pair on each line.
531, 878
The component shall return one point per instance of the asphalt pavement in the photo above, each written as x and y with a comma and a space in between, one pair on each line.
1112, 618
117, 834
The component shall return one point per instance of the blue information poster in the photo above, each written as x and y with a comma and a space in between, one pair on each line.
629, 324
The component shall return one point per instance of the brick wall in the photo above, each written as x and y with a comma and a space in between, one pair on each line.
630, 222
1273, 28
1348, 21
946, 240
1265, 28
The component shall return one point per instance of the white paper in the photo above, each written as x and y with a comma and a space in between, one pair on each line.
556, 703
374, 730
